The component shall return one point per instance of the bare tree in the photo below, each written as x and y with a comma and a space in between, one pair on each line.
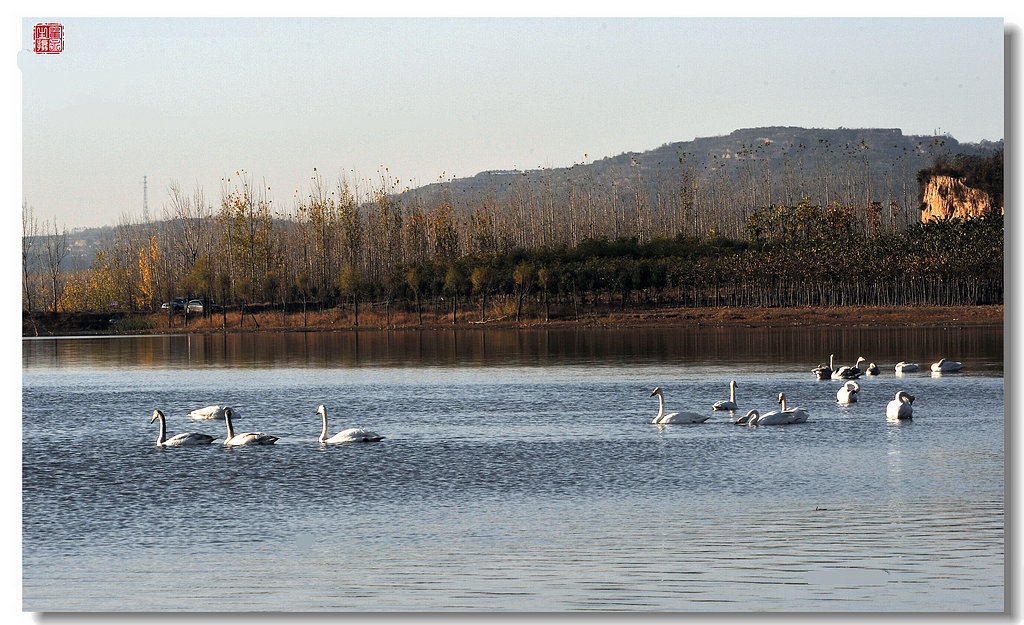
29, 233
56, 250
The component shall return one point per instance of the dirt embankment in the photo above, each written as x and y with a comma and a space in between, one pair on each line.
70, 324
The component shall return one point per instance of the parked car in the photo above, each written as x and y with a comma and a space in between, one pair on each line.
178, 303
195, 306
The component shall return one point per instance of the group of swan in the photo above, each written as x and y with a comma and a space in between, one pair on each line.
830, 371
845, 372
350, 435
777, 417
899, 408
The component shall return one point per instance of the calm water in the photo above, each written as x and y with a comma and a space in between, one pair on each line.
519, 472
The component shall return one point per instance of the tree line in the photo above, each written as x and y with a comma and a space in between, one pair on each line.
355, 242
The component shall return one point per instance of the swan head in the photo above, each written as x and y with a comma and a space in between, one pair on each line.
904, 396
156, 415
228, 412
860, 359
751, 414
852, 386
321, 410
732, 383
782, 397
656, 391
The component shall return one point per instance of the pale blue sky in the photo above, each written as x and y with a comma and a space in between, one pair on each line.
194, 100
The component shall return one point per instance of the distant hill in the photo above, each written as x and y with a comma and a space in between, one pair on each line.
800, 161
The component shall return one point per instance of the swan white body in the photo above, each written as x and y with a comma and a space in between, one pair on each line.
824, 372
209, 412
674, 417
350, 435
946, 366
848, 393
900, 408
847, 372
178, 440
245, 438
731, 403
906, 367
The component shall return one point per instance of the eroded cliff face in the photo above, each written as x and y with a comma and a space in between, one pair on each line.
946, 196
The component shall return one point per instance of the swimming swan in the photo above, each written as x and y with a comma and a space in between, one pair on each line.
674, 417
872, 369
906, 367
847, 372
848, 393
178, 440
780, 417
209, 412
946, 366
900, 408
351, 435
245, 438
727, 405
824, 372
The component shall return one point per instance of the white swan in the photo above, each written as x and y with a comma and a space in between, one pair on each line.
847, 372
946, 366
848, 393
872, 369
351, 435
245, 438
209, 412
900, 408
906, 367
674, 417
781, 417
727, 405
824, 372
178, 440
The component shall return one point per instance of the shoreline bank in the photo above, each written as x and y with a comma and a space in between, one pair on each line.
342, 320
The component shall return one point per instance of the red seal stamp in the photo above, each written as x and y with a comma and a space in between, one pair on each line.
48, 38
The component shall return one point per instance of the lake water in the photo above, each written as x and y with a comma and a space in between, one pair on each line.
520, 472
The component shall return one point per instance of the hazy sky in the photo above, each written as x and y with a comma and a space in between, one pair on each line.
194, 100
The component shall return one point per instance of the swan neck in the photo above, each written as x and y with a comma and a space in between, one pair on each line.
661, 407
323, 432
732, 392
227, 420
783, 402
163, 431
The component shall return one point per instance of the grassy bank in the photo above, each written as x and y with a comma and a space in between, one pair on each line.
375, 318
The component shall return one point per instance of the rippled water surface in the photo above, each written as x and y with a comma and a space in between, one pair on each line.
519, 472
